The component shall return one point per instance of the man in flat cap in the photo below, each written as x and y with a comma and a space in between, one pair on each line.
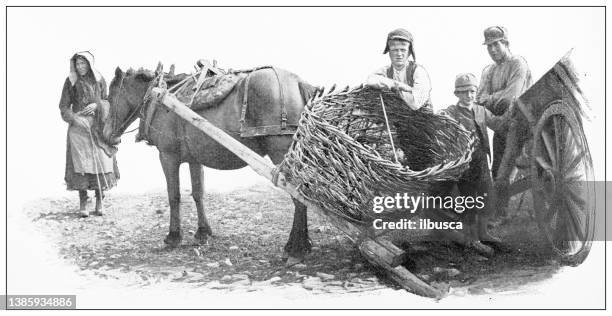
501, 82
404, 75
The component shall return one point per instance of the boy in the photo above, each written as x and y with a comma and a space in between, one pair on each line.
476, 181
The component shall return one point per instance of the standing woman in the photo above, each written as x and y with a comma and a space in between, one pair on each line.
90, 163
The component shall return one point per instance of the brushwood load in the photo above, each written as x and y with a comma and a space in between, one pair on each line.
355, 144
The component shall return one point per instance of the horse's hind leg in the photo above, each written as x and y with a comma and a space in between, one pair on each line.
298, 244
197, 191
170, 163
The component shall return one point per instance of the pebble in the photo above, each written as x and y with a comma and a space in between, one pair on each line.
481, 258
460, 292
452, 272
299, 266
325, 276
213, 265
240, 276
424, 277
312, 283
233, 248
477, 291
274, 279
444, 287
241, 283
226, 278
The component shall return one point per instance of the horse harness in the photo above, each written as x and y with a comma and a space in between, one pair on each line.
254, 131
146, 113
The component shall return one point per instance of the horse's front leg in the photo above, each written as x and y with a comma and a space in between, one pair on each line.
197, 192
170, 163
298, 244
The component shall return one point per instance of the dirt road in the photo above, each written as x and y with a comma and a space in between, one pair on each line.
250, 228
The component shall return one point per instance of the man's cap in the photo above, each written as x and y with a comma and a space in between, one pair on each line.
495, 33
465, 81
402, 35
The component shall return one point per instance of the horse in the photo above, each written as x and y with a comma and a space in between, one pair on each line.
179, 142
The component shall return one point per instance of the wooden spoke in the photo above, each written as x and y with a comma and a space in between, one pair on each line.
549, 214
549, 147
571, 166
577, 178
575, 197
562, 197
543, 163
573, 212
559, 145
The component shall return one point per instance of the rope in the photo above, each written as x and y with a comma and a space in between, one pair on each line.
93, 154
96, 163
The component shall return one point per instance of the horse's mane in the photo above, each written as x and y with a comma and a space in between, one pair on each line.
141, 74
148, 75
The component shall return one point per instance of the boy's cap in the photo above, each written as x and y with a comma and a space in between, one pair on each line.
495, 33
465, 81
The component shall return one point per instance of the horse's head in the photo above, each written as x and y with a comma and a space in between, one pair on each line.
126, 96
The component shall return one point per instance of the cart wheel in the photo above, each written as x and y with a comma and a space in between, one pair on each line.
563, 183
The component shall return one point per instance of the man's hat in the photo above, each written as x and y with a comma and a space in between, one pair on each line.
464, 82
495, 33
402, 35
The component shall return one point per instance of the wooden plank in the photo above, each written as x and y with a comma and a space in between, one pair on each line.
526, 111
399, 274
258, 163
378, 252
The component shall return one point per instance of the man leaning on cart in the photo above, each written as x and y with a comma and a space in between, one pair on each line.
501, 82
403, 75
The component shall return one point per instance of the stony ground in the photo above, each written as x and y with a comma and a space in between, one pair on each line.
251, 227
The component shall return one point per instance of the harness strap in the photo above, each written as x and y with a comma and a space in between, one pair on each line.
198, 86
245, 102
248, 131
282, 101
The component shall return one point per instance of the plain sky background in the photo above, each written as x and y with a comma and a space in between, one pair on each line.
324, 46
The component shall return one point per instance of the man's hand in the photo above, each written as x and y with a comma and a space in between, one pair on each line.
89, 109
483, 99
381, 82
400, 86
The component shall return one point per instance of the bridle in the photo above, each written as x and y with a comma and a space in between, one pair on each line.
136, 112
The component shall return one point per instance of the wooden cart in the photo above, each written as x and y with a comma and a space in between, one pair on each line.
551, 117
559, 171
